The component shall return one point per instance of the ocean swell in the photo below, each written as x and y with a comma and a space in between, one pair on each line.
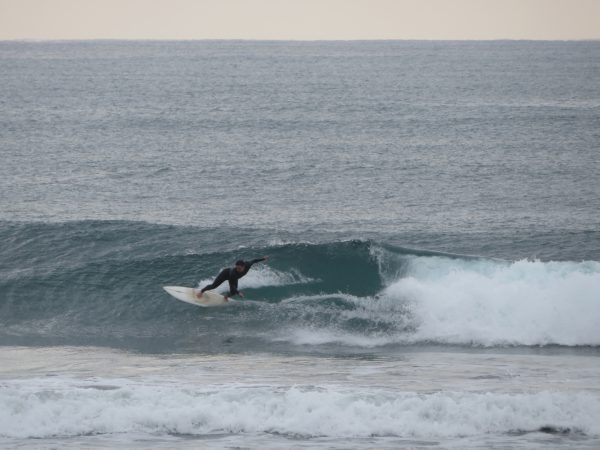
100, 283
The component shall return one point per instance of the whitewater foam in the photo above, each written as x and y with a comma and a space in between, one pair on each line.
65, 407
495, 303
472, 302
314, 331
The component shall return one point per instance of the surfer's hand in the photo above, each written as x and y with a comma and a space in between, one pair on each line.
241, 294
266, 258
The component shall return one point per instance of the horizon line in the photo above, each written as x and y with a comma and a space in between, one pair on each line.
38, 40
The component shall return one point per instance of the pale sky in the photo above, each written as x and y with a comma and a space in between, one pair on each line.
299, 19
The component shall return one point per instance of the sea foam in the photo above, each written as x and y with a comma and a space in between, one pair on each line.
41, 408
494, 303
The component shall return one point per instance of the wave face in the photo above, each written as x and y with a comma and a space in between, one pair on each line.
99, 283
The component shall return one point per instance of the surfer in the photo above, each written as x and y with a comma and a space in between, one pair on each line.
232, 274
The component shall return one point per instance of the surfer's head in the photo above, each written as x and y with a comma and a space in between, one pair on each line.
240, 265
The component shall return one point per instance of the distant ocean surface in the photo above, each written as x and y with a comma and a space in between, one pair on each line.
431, 211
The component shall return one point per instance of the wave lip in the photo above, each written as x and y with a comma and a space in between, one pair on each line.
51, 409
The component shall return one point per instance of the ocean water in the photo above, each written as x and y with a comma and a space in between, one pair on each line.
430, 210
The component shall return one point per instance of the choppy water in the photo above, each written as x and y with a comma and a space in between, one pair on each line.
430, 210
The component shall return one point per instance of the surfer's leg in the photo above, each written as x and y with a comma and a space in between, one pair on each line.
224, 275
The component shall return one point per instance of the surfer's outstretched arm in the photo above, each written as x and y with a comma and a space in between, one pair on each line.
250, 263
264, 258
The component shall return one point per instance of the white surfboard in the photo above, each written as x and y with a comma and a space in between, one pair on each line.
188, 295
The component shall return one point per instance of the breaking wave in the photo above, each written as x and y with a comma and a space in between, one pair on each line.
64, 408
100, 283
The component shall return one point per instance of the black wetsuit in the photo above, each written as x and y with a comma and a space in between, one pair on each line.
232, 275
